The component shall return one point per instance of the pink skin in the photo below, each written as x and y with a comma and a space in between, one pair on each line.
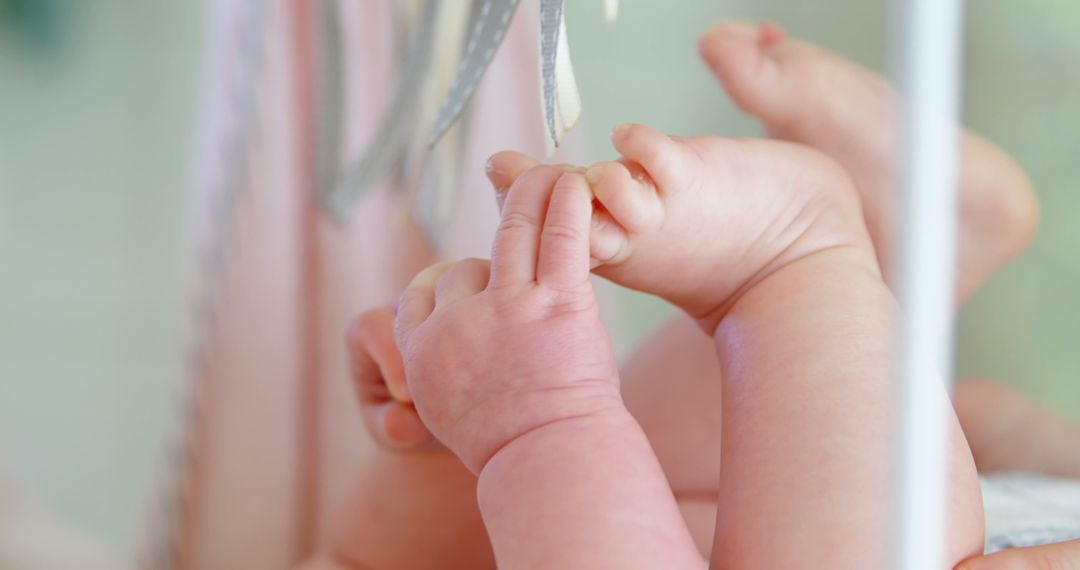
700, 220
808, 95
1009, 431
379, 380
406, 508
798, 236
405, 495
763, 243
511, 368
998, 217
399, 514
801, 235
466, 323
1060, 556
798, 274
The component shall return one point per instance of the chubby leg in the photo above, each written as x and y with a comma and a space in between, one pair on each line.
1008, 431
671, 384
808, 95
774, 261
807, 424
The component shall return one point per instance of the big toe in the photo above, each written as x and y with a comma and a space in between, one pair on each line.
743, 56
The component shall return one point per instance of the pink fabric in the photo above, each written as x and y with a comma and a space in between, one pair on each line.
246, 488
239, 487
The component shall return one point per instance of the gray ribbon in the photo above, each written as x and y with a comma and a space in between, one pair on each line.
489, 27
331, 108
550, 15
396, 124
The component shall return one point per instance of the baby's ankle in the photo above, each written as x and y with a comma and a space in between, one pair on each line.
829, 230
839, 263
698, 221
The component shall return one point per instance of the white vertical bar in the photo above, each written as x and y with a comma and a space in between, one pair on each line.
926, 44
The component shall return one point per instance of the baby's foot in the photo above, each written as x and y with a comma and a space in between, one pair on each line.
698, 221
807, 95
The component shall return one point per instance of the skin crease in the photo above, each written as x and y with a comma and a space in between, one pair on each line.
759, 67
510, 367
828, 230
777, 274
419, 476
990, 180
761, 319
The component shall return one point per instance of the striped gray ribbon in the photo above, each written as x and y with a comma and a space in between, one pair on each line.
488, 29
392, 135
551, 12
331, 105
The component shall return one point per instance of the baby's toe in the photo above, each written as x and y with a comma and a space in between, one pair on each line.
792, 86
631, 201
663, 158
743, 58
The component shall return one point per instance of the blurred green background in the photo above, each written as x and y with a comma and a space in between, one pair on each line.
97, 105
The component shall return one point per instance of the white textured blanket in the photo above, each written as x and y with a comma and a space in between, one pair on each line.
1027, 510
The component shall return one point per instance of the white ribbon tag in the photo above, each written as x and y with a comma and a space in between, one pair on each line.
611, 10
561, 101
